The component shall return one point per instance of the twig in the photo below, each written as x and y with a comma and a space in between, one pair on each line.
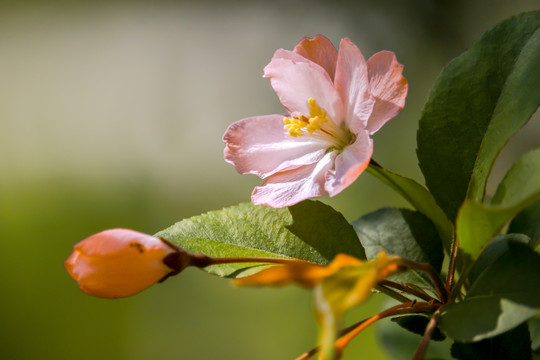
347, 334
407, 289
432, 324
452, 264
440, 287
382, 287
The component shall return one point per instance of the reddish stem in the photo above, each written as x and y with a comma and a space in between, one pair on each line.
407, 289
181, 259
432, 324
452, 264
435, 279
347, 334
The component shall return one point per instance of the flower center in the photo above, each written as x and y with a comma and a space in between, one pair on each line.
319, 125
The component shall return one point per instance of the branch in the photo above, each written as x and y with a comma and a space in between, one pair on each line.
432, 324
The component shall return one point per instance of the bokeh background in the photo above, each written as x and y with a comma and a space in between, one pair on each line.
111, 115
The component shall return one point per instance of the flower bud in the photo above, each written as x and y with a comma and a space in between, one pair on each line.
121, 262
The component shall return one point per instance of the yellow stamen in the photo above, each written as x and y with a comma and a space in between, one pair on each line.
319, 125
295, 124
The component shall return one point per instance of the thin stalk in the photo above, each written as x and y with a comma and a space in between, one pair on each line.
432, 324
342, 332
407, 289
462, 279
401, 309
382, 287
440, 287
181, 259
204, 261
343, 341
347, 334
452, 264
373, 162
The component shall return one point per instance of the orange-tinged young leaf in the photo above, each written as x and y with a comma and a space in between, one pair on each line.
348, 287
303, 273
352, 285
344, 283
118, 263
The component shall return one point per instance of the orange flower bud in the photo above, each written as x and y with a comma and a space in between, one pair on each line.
121, 262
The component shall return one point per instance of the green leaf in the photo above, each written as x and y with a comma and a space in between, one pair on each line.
417, 325
477, 224
404, 233
512, 345
506, 294
492, 252
521, 182
528, 222
419, 197
310, 231
534, 329
480, 99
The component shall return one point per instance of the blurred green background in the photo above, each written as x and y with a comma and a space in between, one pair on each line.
111, 115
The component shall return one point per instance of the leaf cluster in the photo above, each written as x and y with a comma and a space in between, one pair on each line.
490, 245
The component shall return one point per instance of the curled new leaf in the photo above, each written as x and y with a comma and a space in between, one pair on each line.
339, 286
303, 273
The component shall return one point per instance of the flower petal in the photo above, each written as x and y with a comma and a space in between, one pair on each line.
319, 50
388, 87
118, 263
261, 146
118, 240
295, 79
290, 187
350, 164
289, 55
352, 83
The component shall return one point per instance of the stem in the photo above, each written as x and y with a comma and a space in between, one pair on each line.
412, 307
406, 289
202, 260
347, 334
462, 278
342, 332
373, 162
382, 287
343, 341
181, 259
435, 279
452, 264
432, 324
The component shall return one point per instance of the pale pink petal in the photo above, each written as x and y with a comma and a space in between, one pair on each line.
116, 240
296, 81
290, 187
290, 55
350, 164
259, 145
388, 87
352, 83
319, 50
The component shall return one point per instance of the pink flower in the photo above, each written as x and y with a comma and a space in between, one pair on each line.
335, 101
